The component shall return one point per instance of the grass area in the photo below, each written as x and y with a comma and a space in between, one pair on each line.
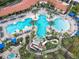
49, 56
54, 55
25, 54
49, 45
75, 9
57, 55
66, 42
75, 48
72, 44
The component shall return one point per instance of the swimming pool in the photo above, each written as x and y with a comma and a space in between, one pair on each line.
61, 25
18, 26
11, 56
41, 24
58, 24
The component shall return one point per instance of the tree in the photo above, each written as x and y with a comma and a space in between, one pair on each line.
75, 9
51, 23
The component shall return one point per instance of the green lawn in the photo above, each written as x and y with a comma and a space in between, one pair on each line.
49, 45
75, 9
72, 44
25, 54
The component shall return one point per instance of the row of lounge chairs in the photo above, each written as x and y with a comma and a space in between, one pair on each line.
73, 15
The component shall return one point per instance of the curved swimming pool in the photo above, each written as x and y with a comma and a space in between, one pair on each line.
41, 24
19, 25
11, 56
60, 24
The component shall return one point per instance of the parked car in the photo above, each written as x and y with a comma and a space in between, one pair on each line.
1, 34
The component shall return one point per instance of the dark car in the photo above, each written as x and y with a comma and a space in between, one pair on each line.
1, 34
12, 18
21, 16
3, 21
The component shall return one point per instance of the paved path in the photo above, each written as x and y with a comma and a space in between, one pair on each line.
69, 53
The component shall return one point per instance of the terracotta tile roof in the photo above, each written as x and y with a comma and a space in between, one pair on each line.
18, 7
27, 4
58, 4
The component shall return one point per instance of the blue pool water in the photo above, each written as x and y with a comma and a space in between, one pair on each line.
41, 24
61, 25
11, 56
19, 25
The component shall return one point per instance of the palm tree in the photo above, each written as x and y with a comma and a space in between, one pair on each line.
51, 23
33, 23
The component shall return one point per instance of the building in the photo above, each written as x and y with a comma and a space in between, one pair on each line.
59, 5
62, 6
17, 7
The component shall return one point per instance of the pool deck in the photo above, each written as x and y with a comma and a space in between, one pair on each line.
14, 21
31, 15
72, 31
73, 27
72, 22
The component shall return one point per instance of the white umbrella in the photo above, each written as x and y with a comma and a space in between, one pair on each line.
17, 30
26, 27
0, 42
14, 23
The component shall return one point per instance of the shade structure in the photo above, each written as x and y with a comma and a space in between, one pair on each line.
13, 40
72, 14
2, 45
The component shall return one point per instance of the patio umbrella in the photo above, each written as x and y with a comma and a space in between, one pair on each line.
13, 40
2, 45
72, 14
